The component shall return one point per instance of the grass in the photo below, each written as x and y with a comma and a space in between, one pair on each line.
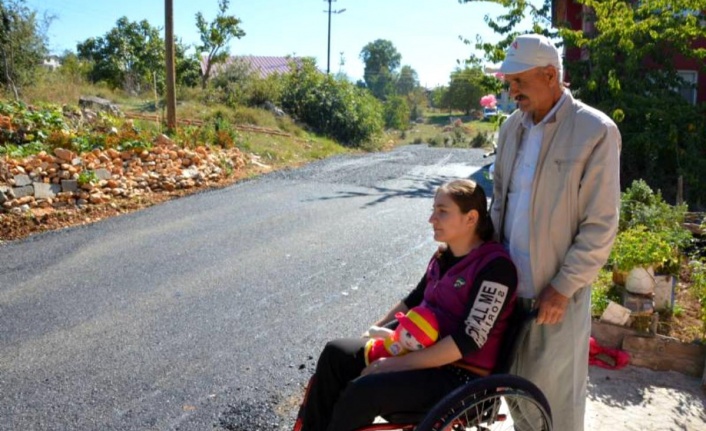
602, 292
277, 151
438, 130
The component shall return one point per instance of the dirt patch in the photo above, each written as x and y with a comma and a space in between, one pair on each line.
685, 323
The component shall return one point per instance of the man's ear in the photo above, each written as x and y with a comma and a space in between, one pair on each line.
551, 73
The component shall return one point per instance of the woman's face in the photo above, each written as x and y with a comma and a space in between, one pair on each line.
449, 223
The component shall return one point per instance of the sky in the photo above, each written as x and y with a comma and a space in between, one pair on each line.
425, 32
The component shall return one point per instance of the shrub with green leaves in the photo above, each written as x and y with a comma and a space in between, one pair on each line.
639, 247
641, 206
87, 177
396, 113
602, 292
698, 288
337, 109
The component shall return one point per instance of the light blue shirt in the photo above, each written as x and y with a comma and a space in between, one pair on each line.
517, 219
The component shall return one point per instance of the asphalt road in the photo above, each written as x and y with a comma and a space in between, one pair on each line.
208, 312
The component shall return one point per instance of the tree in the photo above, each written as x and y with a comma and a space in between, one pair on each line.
407, 81
188, 67
439, 97
381, 61
128, 56
466, 87
23, 44
216, 36
627, 70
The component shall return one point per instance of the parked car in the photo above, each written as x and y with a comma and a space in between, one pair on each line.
489, 113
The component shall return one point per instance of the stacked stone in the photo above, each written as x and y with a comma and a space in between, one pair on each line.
59, 180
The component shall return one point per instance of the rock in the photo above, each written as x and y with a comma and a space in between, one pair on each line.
64, 154
45, 191
274, 109
87, 103
23, 191
164, 140
664, 291
22, 180
638, 304
103, 174
641, 281
616, 314
190, 173
69, 185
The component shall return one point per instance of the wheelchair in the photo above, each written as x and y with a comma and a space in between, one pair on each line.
497, 402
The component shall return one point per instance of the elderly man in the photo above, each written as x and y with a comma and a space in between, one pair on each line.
555, 207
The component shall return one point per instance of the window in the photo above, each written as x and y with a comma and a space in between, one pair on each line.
688, 88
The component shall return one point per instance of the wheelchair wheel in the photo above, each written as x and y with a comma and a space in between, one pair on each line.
497, 402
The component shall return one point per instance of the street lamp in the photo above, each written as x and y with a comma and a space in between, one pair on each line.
328, 58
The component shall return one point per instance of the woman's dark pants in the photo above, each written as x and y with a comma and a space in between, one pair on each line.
341, 400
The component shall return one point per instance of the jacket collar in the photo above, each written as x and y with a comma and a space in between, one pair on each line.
558, 110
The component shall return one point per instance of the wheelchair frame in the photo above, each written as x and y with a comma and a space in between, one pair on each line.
476, 404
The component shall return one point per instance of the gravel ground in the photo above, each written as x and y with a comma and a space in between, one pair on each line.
639, 399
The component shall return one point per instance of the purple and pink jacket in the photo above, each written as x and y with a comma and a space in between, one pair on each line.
473, 298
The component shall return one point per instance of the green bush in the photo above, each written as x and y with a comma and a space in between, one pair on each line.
481, 139
602, 292
698, 288
396, 113
638, 246
641, 206
337, 109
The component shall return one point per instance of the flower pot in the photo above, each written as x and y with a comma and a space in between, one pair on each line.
619, 276
641, 281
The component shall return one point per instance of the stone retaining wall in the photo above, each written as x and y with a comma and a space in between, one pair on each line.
66, 179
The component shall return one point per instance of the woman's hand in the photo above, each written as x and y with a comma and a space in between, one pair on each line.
382, 365
442, 353
379, 332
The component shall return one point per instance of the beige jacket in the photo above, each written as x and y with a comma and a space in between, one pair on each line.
575, 194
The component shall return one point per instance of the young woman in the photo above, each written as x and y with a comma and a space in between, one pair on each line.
470, 287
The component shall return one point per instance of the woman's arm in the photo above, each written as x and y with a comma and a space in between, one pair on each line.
444, 352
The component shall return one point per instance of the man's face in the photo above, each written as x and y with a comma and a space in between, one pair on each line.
533, 90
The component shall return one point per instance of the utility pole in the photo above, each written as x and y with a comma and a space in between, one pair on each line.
171, 74
328, 57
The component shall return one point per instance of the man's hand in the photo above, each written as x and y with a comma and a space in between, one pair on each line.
552, 306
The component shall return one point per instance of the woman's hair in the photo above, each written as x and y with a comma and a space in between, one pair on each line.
468, 195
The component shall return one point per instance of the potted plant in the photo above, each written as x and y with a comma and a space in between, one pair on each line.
639, 247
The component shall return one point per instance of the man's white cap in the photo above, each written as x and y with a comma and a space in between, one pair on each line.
529, 51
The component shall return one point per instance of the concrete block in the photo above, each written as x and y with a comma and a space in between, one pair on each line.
69, 186
615, 314
22, 180
103, 174
638, 304
44, 191
664, 291
23, 191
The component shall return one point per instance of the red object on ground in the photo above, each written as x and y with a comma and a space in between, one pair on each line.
604, 357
